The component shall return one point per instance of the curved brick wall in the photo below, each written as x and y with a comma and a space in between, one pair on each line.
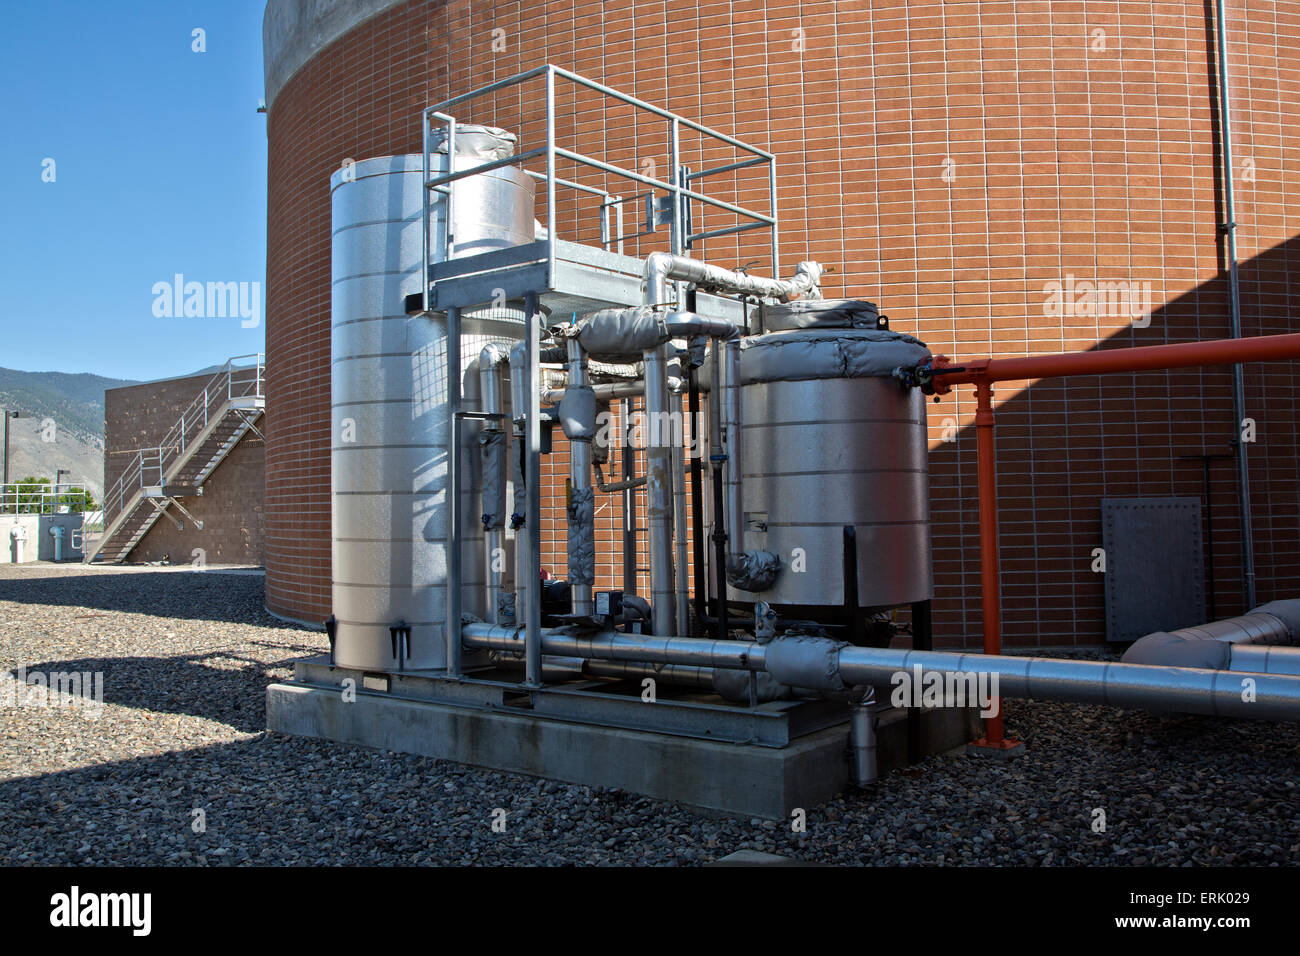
951, 160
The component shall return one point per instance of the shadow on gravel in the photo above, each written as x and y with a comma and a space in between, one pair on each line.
187, 595
224, 686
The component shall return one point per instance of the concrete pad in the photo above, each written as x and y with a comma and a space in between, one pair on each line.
736, 778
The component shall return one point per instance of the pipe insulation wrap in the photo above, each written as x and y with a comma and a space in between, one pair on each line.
582, 536
812, 662
827, 353
660, 267
1210, 645
819, 314
577, 411
492, 452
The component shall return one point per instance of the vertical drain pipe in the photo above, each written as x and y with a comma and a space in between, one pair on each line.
862, 739
492, 440
659, 490
533, 478
1229, 229
581, 535
452, 492
629, 502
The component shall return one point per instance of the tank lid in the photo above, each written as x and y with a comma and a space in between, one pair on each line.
807, 354
820, 314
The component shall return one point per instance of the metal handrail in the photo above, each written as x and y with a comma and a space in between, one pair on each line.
151, 465
679, 187
19, 497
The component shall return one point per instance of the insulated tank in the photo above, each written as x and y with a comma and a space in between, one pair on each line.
388, 396
832, 439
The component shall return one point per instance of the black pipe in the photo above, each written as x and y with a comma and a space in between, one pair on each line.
629, 501
719, 548
697, 498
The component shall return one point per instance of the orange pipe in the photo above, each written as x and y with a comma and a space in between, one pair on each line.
990, 573
1145, 358
982, 373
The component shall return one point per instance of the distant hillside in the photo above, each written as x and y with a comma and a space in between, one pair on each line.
75, 403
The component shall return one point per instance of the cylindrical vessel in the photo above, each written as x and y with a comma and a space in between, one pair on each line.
832, 439
389, 402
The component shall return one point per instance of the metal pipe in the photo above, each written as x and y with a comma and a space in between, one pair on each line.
1146, 358
681, 532
731, 437
667, 673
697, 491
990, 574
629, 502
1179, 689
453, 557
581, 534
518, 455
533, 479
1265, 659
605, 391
659, 503
1229, 229
609, 488
660, 267
862, 740
492, 362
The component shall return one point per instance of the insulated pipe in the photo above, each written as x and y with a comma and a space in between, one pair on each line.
630, 482
582, 535
1234, 289
731, 438
604, 391
681, 528
661, 267
533, 477
659, 489
1179, 689
492, 363
1265, 659
518, 452
452, 507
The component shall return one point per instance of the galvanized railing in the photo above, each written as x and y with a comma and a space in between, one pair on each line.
684, 187
40, 498
150, 466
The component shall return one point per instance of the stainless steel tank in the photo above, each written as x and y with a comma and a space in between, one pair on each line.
842, 443
388, 398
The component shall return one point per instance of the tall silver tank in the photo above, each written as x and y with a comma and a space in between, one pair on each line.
831, 438
388, 397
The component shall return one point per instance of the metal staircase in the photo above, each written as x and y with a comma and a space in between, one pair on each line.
214, 423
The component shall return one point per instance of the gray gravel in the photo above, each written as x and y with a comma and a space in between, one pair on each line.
186, 655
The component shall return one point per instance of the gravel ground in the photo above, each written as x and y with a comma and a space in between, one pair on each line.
185, 657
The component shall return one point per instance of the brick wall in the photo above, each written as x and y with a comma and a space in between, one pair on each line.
230, 507
951, 161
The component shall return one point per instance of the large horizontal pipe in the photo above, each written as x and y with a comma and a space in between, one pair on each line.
1180, 689
1265, 659
1145, 358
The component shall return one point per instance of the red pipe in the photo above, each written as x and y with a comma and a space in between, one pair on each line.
1145, 358
982, 373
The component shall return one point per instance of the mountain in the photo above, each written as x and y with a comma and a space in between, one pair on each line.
74, 402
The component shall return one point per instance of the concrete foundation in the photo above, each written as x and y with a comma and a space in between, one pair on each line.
403, 713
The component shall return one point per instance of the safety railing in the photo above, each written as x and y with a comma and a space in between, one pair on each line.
42, 498
237, 378
683, 188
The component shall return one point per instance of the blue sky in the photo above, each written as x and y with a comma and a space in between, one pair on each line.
159, 168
